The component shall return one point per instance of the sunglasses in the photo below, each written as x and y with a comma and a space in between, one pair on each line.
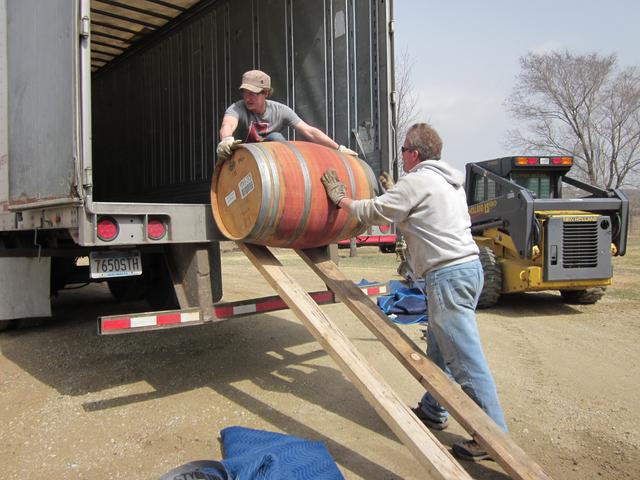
406, 149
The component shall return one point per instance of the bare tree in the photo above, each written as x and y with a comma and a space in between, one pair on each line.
407, 110
580, 105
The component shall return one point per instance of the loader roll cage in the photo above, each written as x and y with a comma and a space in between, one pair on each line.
496, 200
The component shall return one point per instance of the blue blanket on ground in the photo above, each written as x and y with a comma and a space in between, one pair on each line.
258, 455
255, 454
405, 304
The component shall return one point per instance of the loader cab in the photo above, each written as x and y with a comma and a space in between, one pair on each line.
542, 176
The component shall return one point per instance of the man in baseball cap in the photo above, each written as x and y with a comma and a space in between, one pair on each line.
255, 118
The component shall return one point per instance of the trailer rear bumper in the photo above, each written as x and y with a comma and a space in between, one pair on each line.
148, 321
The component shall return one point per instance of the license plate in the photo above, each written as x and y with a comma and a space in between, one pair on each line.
115, 263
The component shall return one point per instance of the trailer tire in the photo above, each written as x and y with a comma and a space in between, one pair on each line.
30, 322
587, 296
492, 288
4, 324
127, 289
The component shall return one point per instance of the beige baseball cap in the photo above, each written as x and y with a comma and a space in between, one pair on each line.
255, 81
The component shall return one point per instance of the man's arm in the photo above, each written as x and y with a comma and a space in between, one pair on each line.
346, 203
393, 206
229, 125
227, 142
314, 135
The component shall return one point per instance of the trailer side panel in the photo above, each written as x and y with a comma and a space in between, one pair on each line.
41, 99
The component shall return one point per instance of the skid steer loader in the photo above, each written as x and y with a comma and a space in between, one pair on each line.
533, 238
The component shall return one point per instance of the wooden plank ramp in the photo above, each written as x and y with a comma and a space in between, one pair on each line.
431, 454
472, 418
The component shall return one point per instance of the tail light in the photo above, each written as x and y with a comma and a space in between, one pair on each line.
543, 161
107, 229
384, 228
156, 229
527, 160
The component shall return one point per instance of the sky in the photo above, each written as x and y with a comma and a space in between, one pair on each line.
466, 58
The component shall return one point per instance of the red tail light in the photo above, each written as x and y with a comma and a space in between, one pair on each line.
107, 229
527, 160
384, 228
156, 229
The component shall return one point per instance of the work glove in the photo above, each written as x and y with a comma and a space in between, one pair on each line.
336, 190
401, 248
226, 147
348, 151
386, 180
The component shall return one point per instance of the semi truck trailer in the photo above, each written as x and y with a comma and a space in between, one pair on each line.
109, 118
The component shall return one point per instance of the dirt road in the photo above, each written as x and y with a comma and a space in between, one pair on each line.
75, 405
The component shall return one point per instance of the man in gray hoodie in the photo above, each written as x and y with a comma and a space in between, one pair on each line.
429, 206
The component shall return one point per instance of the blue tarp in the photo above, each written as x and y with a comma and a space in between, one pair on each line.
405, 304
259, 455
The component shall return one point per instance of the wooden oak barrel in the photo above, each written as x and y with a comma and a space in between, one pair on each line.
270, 194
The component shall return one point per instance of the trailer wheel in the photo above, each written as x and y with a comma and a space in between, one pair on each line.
586, 296
30, 322
492, 278
127, 289
4, 324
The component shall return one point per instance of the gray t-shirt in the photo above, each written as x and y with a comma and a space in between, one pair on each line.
253, 128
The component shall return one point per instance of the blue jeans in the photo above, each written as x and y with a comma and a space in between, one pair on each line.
274, 137
453, 341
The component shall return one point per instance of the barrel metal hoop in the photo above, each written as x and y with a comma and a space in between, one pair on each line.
270, 225
371, 178
307, 198
266, 173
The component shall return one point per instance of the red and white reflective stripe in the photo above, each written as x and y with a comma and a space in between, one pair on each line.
379, 290
159, 320
271, 304
267, 304
147, 321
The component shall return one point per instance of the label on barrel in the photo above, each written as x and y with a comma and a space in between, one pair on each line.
246, 185
230, 198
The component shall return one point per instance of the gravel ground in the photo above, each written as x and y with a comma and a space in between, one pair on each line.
76, 405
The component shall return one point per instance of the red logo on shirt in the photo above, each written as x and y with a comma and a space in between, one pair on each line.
257, 131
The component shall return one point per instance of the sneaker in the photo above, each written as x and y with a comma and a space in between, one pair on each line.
470, 450
429, 422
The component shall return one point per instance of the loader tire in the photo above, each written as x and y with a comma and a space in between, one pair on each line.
586, 296
492, 278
